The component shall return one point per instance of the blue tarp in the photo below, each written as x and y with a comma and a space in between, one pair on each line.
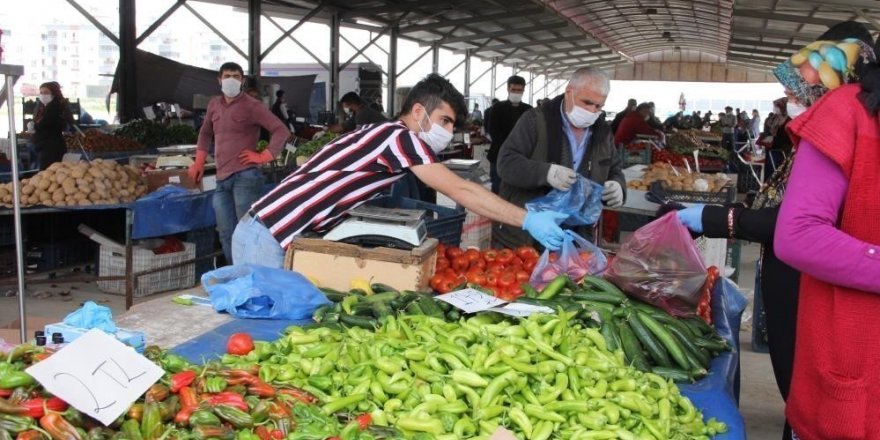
713, 395
171, 210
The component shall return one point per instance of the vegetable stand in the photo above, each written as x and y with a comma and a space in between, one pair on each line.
713, 395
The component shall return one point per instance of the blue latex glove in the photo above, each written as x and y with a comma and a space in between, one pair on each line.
544, 227
692, 218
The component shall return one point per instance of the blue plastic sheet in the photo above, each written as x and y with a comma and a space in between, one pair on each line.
171, 210
717, 394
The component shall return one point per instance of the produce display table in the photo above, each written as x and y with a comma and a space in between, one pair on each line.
198, 334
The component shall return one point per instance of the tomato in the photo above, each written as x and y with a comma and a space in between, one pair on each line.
473, 255
515, 262
516, 291
491, 279
481, 263
490, 255
522, 276
436, 280
505, 256
586, 256
460, 264
526, 252
239, 344
442, 263
553, 257
454, 252
529, 265
476, 276
449, 273
441, 250
495, 267
510, 293
507, 279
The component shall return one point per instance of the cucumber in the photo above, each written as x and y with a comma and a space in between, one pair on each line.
552, 303
331, 317
430, 307
379, 287
645, 307
712, 344
603, 297
444, 306
379, 297
631, 347
359, 321
333, 295
676, 374
696, 357
453, 315
672, 346
381, 311
672, 321
555, 286
651, 344
701, 326
597, 306
603, 285
529, 291
609, 332
414, 309
403, 300
319, 313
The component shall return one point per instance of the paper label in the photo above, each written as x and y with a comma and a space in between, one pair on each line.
471, 300
97, 375
522, 310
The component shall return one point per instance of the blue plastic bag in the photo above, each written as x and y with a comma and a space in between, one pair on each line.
582, 202
90, 316
259, 292
577, 258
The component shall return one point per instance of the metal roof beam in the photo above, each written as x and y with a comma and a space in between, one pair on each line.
470, 20
744, 42
371, 12
589, 50
772, 61
501, 47
843, 4
501, 33
748, 50
741, 30
767, 15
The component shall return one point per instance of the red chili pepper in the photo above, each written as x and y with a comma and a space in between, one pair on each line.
182, 379
189, 402
263, 433
278, 410
35, 407
5, 393
364, 421
228, 398
261, 389
277, 434
298, 394
31, 434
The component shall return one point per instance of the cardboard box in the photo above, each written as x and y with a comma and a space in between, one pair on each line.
10, 331
179, 177
334, 265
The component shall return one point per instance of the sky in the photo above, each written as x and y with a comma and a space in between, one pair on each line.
34, 14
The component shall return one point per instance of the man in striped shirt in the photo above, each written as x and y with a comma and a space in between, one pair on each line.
358, 166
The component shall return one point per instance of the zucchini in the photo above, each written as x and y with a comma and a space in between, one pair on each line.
359, 321
651, 344
333, 295
430, 307
603, 297
631, 347
672, 346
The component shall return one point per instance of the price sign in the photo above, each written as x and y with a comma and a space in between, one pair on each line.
97, 375
471, 300
520, 310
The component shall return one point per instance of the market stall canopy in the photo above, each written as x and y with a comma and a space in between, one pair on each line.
557, 36
163, 80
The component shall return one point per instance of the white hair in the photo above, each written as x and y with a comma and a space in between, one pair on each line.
593, 76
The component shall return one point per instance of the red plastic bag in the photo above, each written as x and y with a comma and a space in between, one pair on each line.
577, 258
660, 264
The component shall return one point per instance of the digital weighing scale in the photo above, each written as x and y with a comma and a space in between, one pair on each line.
372, 226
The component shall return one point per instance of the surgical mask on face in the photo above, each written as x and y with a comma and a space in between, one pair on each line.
515, 98
581, 117
346, 110
45, 99
437, 137
794, 109
231, 87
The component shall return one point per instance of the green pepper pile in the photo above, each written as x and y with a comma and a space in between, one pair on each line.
546, 375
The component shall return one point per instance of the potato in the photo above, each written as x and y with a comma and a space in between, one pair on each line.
96, 173
44, 196
58, 195
94, 196
78, 173
84, 202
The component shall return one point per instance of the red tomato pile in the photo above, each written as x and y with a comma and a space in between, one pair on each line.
500, 272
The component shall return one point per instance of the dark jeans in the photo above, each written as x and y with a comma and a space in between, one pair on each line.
232, 200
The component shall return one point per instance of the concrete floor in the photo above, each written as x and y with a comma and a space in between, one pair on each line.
760, 403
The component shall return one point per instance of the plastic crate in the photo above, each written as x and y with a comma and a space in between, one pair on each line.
61, 253
726, 195
444, 224
112, 263
636, 154
206, 243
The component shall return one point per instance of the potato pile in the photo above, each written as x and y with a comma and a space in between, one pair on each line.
79, 184
683, 181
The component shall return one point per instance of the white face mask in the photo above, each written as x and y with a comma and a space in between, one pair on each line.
581, 117
794, 109
437, 137
515, 98
231, 87
45, 99
346, 110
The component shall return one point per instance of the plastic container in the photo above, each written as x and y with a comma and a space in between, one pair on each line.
444, 224
111, 262
70, 333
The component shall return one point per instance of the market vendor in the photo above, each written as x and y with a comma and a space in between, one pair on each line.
357, 167
50, 121
233, 123
551, 145
358, 114
634, 124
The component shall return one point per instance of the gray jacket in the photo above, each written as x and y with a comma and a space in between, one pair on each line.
523, 167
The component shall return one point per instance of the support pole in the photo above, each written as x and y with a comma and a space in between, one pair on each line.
435, 59
11, 74
531, 87
334, 60
392, 68
494, 77
467, 73
128, 102
254, 55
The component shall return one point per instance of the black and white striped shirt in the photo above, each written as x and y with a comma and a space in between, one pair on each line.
343, 175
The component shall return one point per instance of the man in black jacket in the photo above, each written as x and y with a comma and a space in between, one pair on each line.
553, 144
504, 116
630, 106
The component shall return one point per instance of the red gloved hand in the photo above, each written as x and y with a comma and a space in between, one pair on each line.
250, 157
197, 169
